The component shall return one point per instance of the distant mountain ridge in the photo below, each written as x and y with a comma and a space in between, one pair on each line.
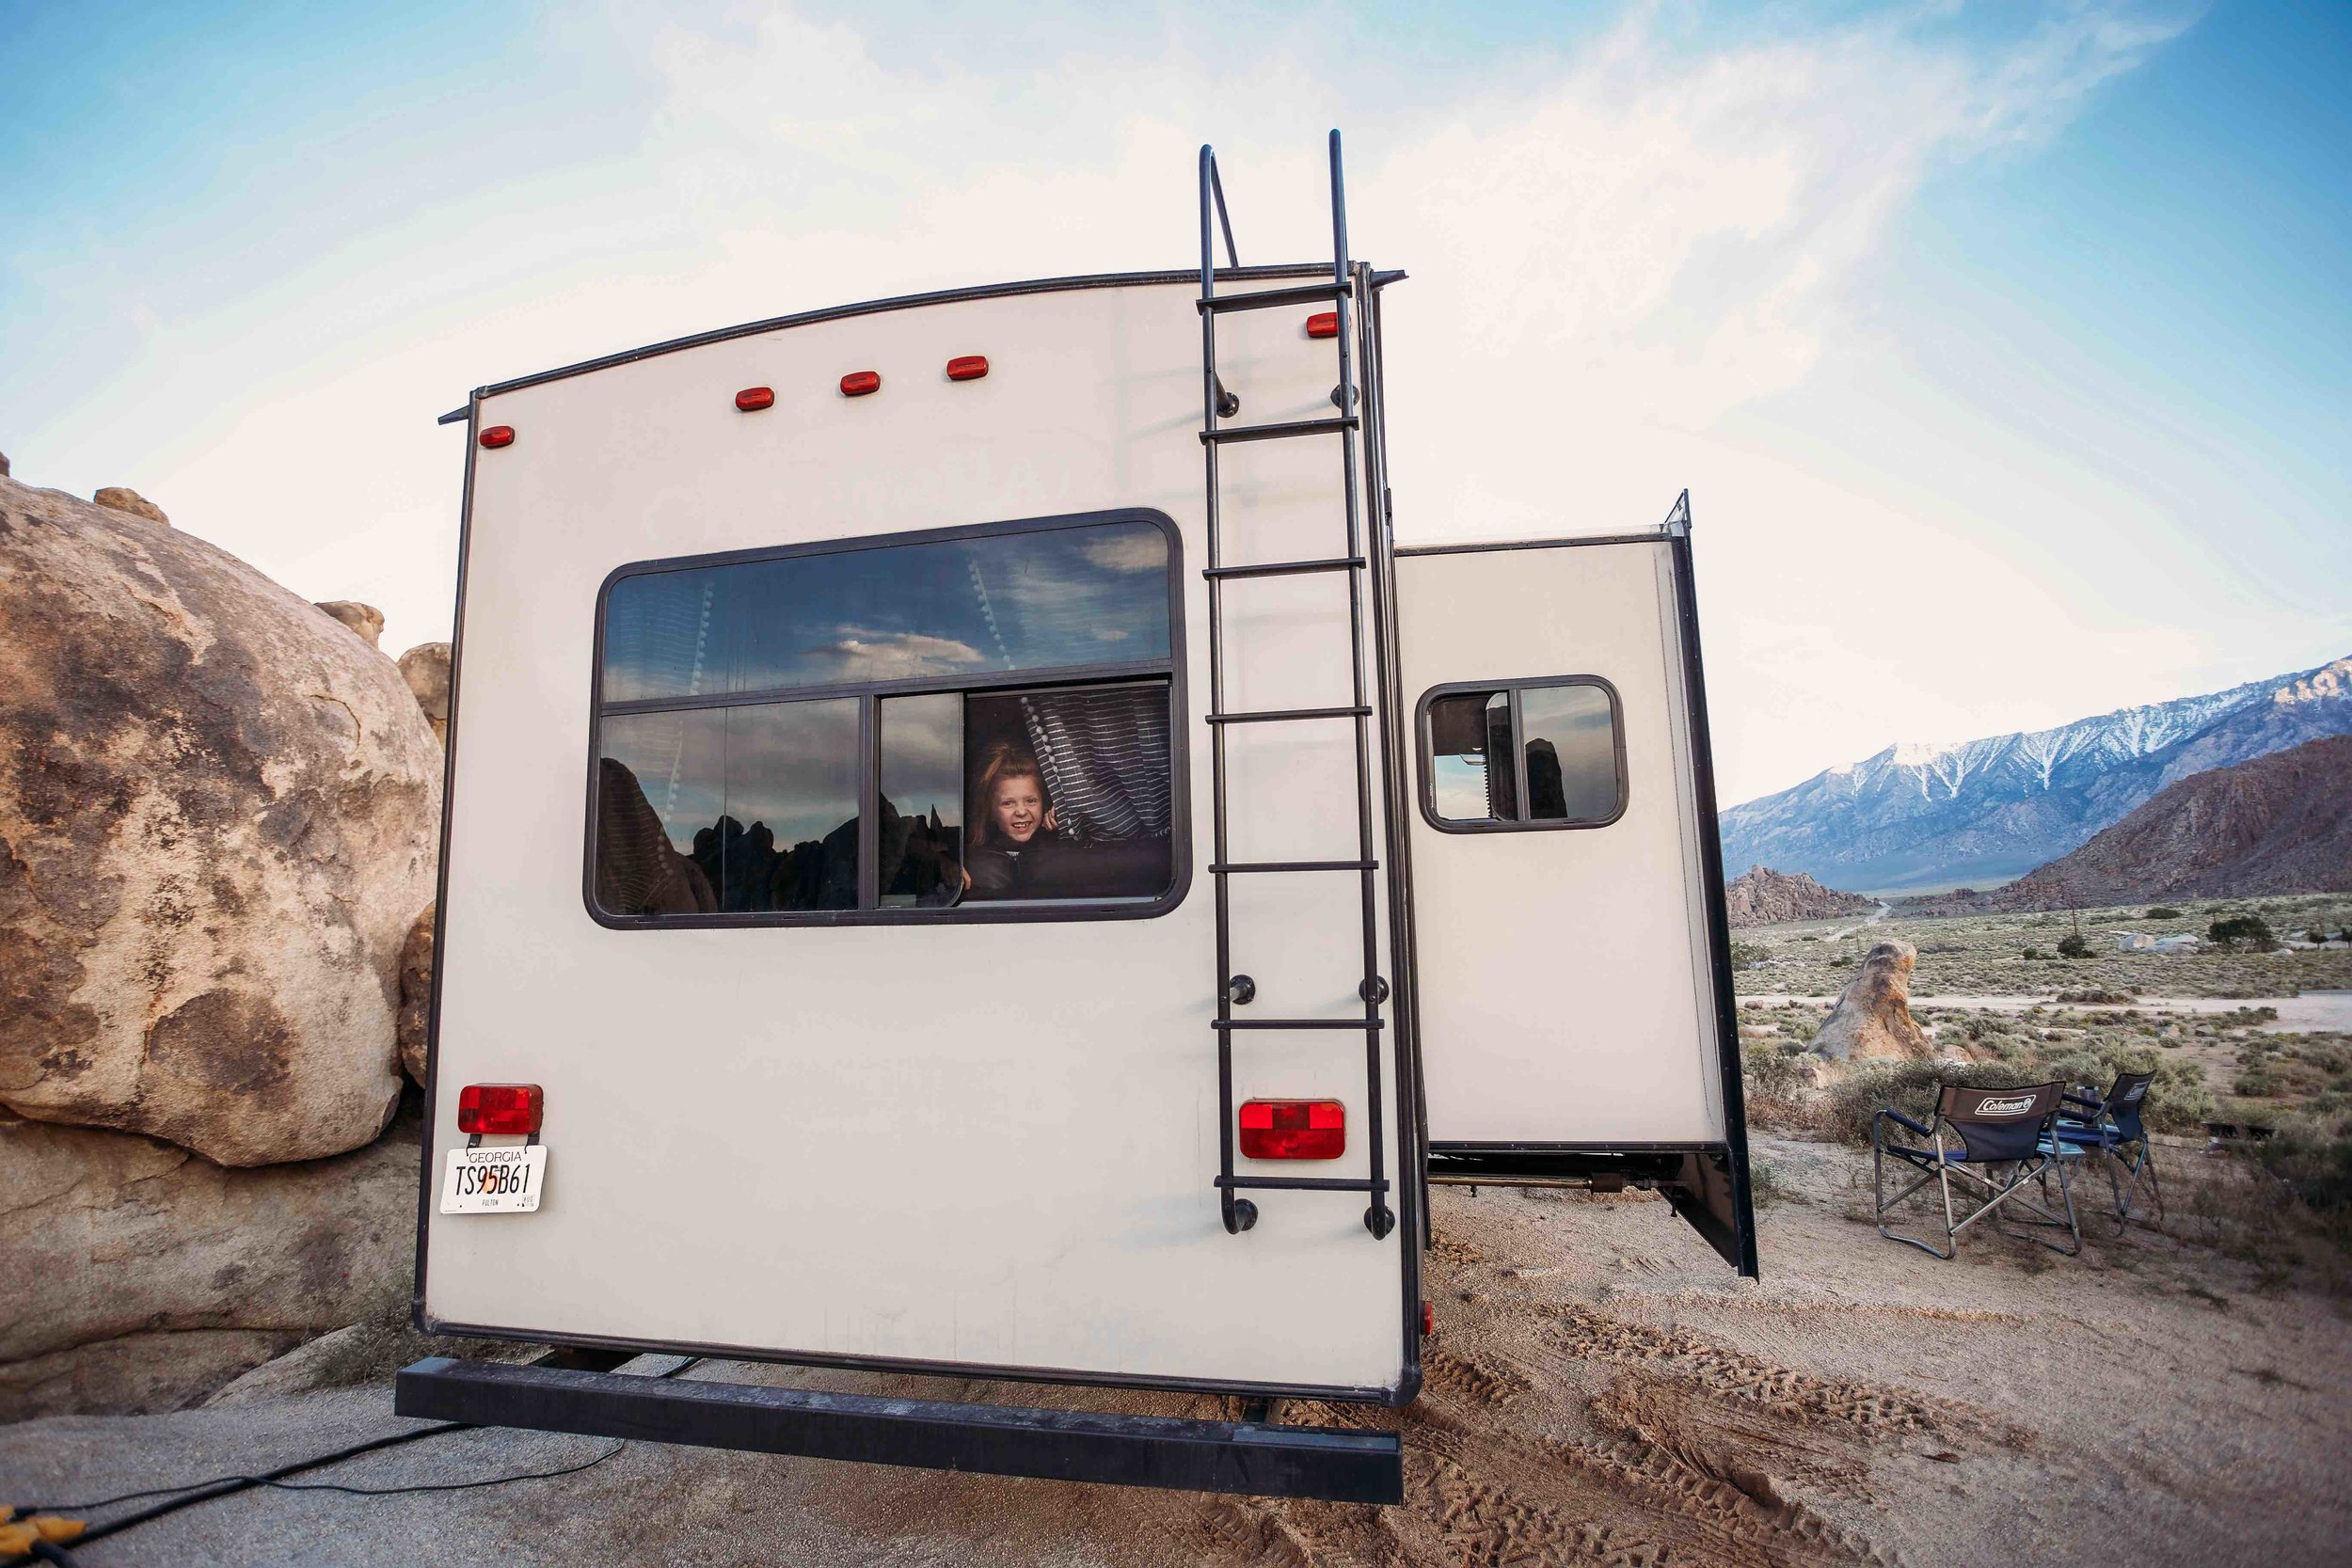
2278, 824
1988, 810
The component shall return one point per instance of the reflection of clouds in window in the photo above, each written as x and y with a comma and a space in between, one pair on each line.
1133, 548
864, 653
793, 766
1004, 601
1460, 784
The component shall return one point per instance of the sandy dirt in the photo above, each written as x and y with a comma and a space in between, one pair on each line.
2313, 1011
1600, 1391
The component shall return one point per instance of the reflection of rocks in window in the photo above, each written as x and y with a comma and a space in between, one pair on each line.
637, 871
753, 876
1546, 797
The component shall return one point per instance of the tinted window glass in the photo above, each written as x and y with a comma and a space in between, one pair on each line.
1570, 736
921, 828
1467, 730
729, 809
1013, 601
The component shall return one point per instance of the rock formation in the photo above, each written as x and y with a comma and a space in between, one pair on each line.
425, 668
416, 993
365, 619
217, 822
139, 1277
1872, 1020
1762, 896
120, 498
2278, 824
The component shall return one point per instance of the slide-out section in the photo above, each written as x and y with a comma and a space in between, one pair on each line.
1573, 995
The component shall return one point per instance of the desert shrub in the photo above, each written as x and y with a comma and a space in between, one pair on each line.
2036, 953
2312, 1155
1766, 1184
2162, 913
2095, 996
2260, 1082
2074, 946
2251, 930
1846, 1110
1747, 955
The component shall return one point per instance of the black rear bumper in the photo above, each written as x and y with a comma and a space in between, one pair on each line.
1261, 1459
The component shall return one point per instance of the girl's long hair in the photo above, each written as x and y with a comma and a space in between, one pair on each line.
1002, 761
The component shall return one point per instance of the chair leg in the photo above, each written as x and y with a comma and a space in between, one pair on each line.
1877, 1183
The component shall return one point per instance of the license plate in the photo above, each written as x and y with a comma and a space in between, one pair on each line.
494, 1180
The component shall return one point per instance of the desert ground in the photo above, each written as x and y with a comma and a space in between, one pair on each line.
1601, 1390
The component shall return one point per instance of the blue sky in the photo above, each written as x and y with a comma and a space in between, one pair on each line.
2000, 346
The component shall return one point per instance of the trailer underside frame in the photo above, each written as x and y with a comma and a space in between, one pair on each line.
1255, 1458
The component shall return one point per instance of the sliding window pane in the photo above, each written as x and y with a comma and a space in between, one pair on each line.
661, 778
1571, 740
1469, 766
788, 839
921, 831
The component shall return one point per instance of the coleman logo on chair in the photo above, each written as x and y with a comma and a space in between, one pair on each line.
2008, 1106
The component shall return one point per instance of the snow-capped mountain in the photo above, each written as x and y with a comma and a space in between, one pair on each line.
1983, 810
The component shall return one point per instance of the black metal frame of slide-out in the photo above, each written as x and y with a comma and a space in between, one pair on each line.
1256, 1458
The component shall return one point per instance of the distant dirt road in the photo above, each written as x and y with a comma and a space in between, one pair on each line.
2314, 1011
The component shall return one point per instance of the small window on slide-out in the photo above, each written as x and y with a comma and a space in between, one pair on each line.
1525, 755
900, 728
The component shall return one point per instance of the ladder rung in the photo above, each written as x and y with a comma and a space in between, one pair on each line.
1302, 1183
1285, 715
1295, 865
1293, 1024
1277, 432
1284, 568
1268, 299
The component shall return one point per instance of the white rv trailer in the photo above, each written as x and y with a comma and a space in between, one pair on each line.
934, 881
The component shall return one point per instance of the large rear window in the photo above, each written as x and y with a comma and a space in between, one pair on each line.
973, 723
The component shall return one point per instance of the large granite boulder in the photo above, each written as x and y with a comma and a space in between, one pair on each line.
119, 497
363, 619
219, 817
416, 993
140, 1277
1872, 1020
425, 668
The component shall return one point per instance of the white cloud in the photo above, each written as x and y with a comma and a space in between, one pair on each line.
1620, 254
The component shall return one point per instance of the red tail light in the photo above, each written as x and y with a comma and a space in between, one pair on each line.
1429, 1316
499, 436
967, 367
1323, 325
753, 399
499, 1108
1293, 1129
858, 383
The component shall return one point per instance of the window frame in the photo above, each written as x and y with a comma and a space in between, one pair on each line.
1425, 753
868, 695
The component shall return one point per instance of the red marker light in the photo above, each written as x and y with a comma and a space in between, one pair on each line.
753, 399
967, 367
1323, 325
499, 1108
858, 383
1429, 1316
1293, 1129
499, 436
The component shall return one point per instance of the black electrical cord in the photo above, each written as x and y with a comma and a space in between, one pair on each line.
222, 1486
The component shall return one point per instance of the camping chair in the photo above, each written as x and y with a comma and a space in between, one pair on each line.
1992, 1128
2105, 1126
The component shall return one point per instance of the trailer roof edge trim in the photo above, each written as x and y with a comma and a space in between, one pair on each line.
906, 302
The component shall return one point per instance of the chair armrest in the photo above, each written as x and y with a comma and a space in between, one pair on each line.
1897, 1116
2071, 1097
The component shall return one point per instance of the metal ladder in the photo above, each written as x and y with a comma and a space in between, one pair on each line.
1234, 990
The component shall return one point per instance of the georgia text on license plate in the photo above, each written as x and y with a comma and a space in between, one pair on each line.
494, 1180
